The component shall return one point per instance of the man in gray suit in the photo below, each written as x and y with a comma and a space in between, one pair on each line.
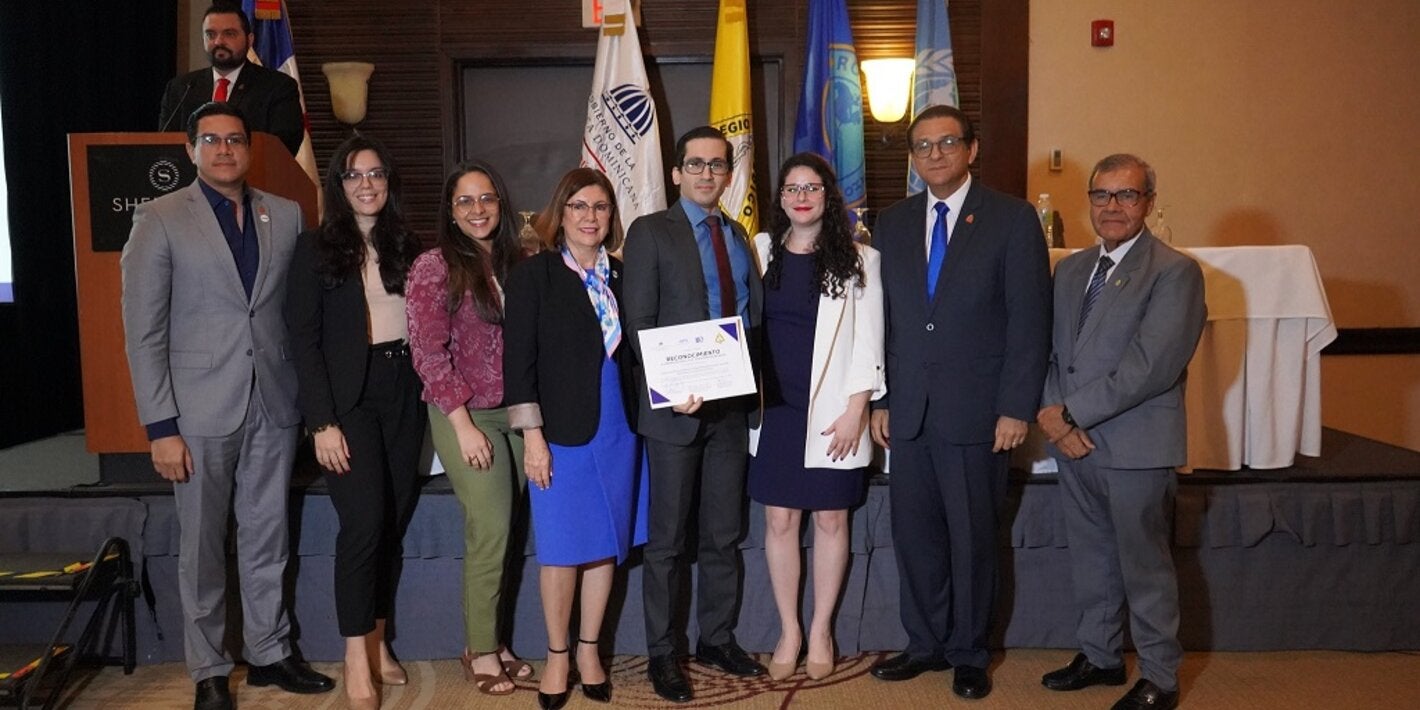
1128, 316
686, 264
204, 279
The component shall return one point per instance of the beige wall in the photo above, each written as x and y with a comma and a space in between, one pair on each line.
1269, 122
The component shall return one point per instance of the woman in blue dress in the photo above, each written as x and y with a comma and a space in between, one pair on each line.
564, 368
823, 362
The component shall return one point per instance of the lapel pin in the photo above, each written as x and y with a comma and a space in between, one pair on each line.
261, 214
1119, 282
971, 218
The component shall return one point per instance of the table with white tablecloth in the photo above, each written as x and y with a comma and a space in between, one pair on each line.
1254, 383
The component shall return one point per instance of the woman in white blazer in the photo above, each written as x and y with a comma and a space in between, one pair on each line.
823, 362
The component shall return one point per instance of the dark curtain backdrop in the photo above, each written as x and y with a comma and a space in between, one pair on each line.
66, 66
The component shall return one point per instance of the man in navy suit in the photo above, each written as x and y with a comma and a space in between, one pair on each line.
966, 284
270, 100
1128, 315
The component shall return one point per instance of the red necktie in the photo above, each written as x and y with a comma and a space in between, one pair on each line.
221, 93
728, 299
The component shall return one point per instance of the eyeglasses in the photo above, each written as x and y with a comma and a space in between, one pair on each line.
808, 188
579, 208
464, 203
376, 176
695, 166
946, 144
1128, 197
234, 140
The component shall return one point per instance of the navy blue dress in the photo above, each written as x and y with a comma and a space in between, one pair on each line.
777, 475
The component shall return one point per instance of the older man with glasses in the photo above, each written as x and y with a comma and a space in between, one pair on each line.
967, 286
1128, 316
686, 264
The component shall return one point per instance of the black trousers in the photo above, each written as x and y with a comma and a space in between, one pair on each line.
710, 472
375, 500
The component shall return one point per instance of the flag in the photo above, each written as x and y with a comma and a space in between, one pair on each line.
274, 50
622, 137
730, 111
935, 79
830, 120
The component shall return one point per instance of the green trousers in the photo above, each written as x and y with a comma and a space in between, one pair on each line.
492, 498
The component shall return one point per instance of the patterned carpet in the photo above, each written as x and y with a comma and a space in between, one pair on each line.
1226, 681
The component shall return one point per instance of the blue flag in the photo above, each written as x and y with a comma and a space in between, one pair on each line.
830, 120
935, 79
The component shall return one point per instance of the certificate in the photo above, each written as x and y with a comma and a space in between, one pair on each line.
707, 359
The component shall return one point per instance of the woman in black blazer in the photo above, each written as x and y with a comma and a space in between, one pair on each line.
564, 365
358, 393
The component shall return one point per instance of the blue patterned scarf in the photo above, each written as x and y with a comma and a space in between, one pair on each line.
598, 284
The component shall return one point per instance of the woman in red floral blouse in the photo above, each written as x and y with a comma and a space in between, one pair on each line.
455, 303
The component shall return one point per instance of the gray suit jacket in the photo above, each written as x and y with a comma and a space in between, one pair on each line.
194, 339
1122, 378
665, 285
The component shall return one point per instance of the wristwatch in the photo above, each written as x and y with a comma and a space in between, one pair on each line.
1065, 414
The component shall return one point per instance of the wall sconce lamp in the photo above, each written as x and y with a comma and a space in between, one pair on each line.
349, 89
889, 89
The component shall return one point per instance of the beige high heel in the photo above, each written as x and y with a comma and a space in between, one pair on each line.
369, 702
781, 671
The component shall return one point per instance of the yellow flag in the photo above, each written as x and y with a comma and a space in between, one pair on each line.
730, 111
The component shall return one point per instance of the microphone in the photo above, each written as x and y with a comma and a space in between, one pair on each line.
176, 109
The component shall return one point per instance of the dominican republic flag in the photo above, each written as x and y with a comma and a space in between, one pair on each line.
935, 79
730, 111
830, 120
274, 50
622, 138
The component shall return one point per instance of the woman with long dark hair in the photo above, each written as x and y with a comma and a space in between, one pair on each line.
566, 367
358, 393
823, 330
456, 331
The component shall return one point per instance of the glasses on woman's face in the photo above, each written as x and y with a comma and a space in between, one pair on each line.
465, 203
376, 176
579, 208
808, 189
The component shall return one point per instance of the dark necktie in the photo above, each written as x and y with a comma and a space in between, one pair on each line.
221, 93
728, 298
1093, 292
937, 253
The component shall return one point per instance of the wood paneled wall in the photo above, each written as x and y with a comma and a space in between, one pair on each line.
417, 46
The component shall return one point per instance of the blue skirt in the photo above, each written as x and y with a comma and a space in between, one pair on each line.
596, 505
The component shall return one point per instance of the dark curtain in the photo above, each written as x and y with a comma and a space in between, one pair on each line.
66, 66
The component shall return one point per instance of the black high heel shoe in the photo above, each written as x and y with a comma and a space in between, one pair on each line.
555, 701
600, 692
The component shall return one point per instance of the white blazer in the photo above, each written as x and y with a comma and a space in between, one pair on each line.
848, 358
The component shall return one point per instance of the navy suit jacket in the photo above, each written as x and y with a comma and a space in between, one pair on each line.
270, 100
979, 349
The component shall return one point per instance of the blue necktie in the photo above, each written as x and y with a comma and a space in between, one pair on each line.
937, 253
1093, 292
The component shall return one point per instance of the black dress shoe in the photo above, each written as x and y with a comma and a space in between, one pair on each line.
213, 694
905, 667
291, 676
1082, 674
552, 701
730, 658
971, 683
1147, 696
668, 679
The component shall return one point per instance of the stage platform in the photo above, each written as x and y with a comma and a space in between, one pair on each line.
1322, 555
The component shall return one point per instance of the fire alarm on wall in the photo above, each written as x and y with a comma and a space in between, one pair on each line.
1102, 33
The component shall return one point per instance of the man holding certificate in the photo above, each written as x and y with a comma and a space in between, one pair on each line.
686, 265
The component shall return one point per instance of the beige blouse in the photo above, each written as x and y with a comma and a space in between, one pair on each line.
386, 310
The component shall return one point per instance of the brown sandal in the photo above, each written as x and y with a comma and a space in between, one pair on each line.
517, 669
485, 682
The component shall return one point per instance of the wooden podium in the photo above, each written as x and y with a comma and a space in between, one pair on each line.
109, 175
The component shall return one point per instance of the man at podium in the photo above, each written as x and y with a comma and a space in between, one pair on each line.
204, 281
270, 100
